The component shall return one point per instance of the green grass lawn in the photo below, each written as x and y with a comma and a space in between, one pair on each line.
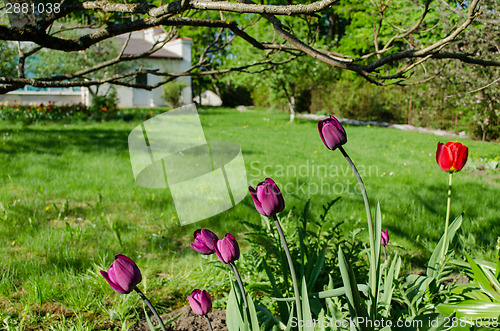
69, 203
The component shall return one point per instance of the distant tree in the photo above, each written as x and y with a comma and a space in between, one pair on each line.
8, 68
383, 41
472, 92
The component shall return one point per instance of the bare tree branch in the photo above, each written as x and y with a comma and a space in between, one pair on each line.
289, 41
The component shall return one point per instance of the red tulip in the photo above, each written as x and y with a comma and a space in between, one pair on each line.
332, 133
200, 302
267, 198
123, 275
452, 156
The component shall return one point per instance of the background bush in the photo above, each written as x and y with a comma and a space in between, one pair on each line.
172, 93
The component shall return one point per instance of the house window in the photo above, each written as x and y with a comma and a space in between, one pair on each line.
141, 79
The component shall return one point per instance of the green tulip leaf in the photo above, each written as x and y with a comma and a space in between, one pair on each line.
327, 294
317, 268
351, 292
290, 320
253, 314
267, 317
306, 308
148, 319
473, 309
436, 262
233, 314
392, 274
337, 292
378, 235
486, 280
282, 306
484, 264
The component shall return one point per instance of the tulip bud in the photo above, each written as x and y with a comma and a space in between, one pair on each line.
200, 302
267, 198
123, 274
452, 156
227, 249
204, 241
385, 238
332, 133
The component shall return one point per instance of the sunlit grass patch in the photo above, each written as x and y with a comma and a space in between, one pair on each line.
69, 203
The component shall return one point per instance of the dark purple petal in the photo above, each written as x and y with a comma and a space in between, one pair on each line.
227, 249
200, 302
203, 241
276, 191
206, 302
112, 284
320, 129
195, 306
126, 273
385, 237
202, 249
332, 133
219, 255
267, 198
256, 202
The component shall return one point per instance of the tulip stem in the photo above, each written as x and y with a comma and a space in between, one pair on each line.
448, 207
143, 297
208, 321
373, 277
233, 268
292, 269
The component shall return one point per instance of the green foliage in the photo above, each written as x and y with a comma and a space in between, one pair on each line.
7, 51
32, 113
233, 96
47, 63
312, 241
477, 302
353, 97
105, 106
172, 93
87, 165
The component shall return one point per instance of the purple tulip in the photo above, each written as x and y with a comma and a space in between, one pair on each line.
385, 238
123, 274
204, 241
227, 249
332, 133
267, 198
200, 302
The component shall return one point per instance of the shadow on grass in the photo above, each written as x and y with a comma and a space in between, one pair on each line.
479, 225
55, 141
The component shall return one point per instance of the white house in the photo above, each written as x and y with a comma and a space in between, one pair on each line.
175, 56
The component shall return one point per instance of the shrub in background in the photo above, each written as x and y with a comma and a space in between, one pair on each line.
233, 96
105, 106
172, 93
31, 113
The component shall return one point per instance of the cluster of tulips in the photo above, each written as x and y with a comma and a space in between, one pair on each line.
123, 275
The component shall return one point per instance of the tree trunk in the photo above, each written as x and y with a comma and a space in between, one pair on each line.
290, 97
291, 104
214, 85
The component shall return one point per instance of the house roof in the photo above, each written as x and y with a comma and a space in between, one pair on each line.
139, 46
